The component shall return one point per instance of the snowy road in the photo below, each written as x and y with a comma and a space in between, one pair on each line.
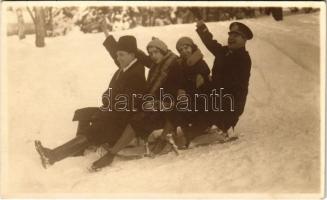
279, 145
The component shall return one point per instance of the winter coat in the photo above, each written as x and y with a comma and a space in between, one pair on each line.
127, 83
132, 81
193, 66
167, 74
231, 71
108, 124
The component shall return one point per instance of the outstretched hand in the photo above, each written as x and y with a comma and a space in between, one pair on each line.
104, 28
199, 23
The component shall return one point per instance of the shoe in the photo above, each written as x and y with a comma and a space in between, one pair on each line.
223, 137
46, 154
103, 162
70, 148
159, 145
227, 136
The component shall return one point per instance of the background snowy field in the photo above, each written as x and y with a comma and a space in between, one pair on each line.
279, 146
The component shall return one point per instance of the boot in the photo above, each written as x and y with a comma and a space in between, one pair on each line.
49, 157
103, 161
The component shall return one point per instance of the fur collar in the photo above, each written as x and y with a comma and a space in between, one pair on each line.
193, 59
158, 72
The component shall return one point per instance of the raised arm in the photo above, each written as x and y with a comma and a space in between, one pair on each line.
212, 45
111, 45
143, 58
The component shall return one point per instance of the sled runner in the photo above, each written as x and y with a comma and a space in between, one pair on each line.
229, 139
161, 147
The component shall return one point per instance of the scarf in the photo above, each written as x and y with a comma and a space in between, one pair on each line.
159, 72
193, 59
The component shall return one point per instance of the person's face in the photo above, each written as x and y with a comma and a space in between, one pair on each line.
185, 51
124, 58
235, 40
155, 55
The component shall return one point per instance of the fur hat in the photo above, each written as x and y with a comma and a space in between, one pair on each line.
157, 43
184, 41
127, 43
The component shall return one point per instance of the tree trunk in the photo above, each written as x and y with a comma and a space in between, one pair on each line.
21, 23
39, 26
204, 14
50, 22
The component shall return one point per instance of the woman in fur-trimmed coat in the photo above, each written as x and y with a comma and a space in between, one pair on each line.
195, 73
165, 74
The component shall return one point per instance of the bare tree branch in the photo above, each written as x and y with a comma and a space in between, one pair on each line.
31, 14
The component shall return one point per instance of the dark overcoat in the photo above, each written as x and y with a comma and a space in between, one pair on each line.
106, 124
231, 71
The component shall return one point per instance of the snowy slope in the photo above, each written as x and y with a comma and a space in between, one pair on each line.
279, 145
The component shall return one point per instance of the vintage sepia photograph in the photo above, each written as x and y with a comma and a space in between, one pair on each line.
144, 99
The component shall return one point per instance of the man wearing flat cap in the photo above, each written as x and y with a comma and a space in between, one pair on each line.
230, 73
106, 124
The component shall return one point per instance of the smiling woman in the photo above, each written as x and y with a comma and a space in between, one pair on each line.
157, 50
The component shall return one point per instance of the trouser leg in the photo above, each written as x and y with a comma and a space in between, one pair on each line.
49, 157
127, 136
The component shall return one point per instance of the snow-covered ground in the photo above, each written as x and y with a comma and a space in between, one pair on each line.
279, 146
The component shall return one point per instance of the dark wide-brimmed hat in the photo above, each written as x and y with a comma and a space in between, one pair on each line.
240, 28
127, 43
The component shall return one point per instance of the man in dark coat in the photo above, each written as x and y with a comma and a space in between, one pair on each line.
105, 124
230, 72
